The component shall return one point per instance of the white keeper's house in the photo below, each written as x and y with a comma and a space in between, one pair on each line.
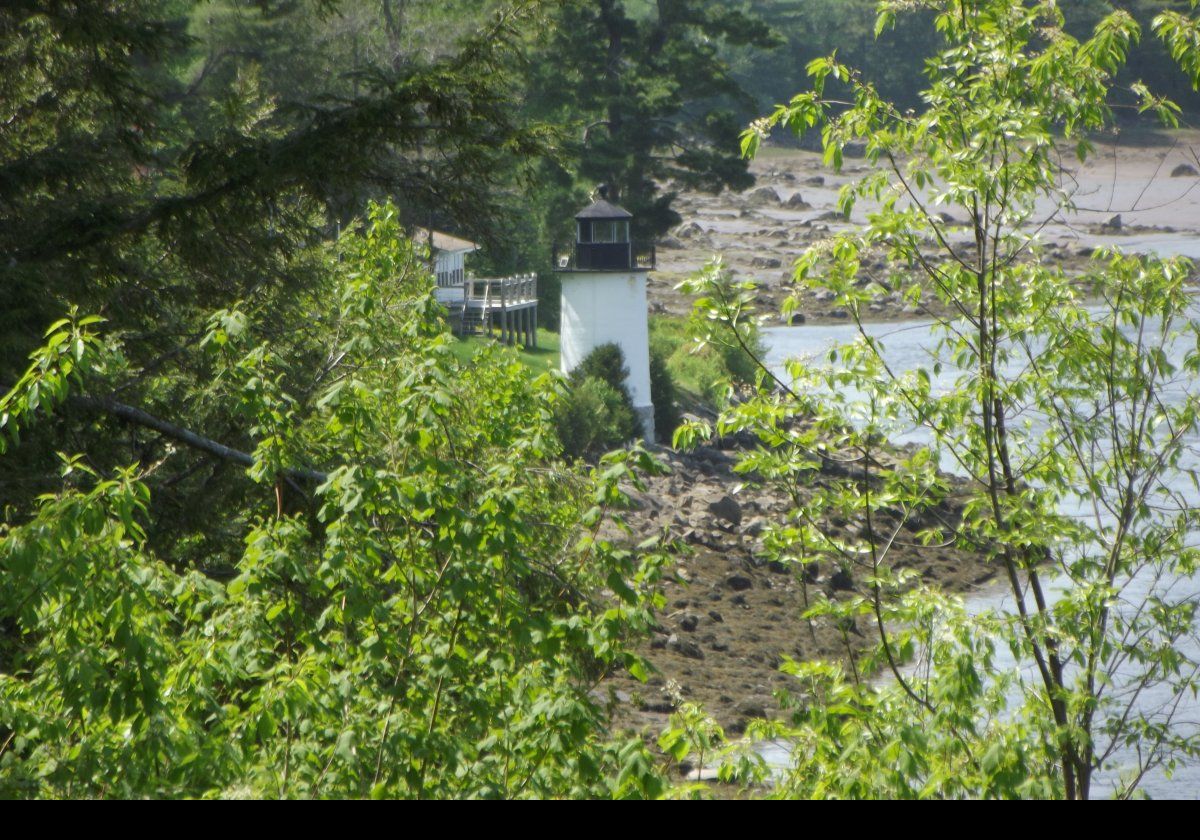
481, 304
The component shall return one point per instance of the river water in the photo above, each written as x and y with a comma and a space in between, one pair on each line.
908, 346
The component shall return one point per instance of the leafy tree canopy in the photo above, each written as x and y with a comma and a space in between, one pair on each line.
427, 615
1070, 417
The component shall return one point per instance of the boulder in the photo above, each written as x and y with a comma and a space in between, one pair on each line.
753, 707
684, 647
796, 202
762, 196
726, 508
662, 707
841, 581
738, 583
1185, 170
831, 216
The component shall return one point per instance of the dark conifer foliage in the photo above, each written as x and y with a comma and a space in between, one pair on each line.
651, 96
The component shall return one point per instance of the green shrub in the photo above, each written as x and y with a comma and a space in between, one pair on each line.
662, 391
607, 363
593, 418
597, 415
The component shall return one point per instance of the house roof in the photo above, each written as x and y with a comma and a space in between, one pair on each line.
601, 209
444, 241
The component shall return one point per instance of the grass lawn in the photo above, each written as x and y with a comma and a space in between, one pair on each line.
542, 359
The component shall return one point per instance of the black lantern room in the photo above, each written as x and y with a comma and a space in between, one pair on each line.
603, 242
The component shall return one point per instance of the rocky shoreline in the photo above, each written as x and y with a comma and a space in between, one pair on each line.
759, 233
731, 617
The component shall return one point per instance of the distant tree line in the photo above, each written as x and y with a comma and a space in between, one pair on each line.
895, 60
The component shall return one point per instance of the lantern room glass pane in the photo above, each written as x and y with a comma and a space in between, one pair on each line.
606, 231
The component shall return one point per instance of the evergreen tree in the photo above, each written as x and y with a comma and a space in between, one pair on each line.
597, 413
654, 103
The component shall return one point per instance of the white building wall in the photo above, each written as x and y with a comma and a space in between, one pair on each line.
609, 307
448, 266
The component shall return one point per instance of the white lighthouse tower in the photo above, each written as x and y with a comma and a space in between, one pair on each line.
604, 297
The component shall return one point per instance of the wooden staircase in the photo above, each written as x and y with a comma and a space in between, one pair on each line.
478, 318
